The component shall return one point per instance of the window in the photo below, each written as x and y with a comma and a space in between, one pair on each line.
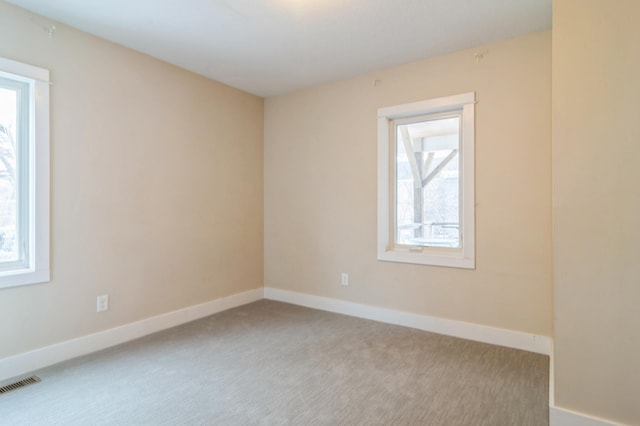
426, 182
24, 174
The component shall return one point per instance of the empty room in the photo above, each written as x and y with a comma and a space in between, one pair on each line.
315, 212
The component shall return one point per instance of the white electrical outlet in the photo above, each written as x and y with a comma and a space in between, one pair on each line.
345, 278
102, 303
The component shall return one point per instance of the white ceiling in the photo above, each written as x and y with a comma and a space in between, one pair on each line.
269, 47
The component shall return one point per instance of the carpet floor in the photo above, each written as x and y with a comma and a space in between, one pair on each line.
271, 363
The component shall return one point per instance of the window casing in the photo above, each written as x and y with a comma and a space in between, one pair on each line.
426, 182
24, 174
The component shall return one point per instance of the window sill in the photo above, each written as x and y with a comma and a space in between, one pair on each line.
21, 277
428, 257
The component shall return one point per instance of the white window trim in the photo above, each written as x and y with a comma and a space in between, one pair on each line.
38, 270
387, 251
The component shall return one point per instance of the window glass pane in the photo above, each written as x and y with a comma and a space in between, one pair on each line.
24, 174
9, 249
427, 182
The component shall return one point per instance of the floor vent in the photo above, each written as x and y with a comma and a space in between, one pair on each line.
19, 384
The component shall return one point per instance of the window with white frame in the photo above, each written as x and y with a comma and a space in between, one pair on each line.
24, 174
426, 182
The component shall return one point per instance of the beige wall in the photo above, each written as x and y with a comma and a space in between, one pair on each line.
156, 187
157, 193
320, 189
596, 157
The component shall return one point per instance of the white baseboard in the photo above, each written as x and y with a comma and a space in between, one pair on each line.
464, 330
563, 417
39, 358
552, 377
27, 362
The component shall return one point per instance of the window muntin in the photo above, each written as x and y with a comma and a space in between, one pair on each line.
24, 174
426, 182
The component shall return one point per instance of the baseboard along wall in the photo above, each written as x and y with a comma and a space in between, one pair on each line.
464, 330
27, 362
21, 364
496, 336
563, 417
24, 363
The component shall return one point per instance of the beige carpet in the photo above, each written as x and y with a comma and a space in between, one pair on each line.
270, 363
